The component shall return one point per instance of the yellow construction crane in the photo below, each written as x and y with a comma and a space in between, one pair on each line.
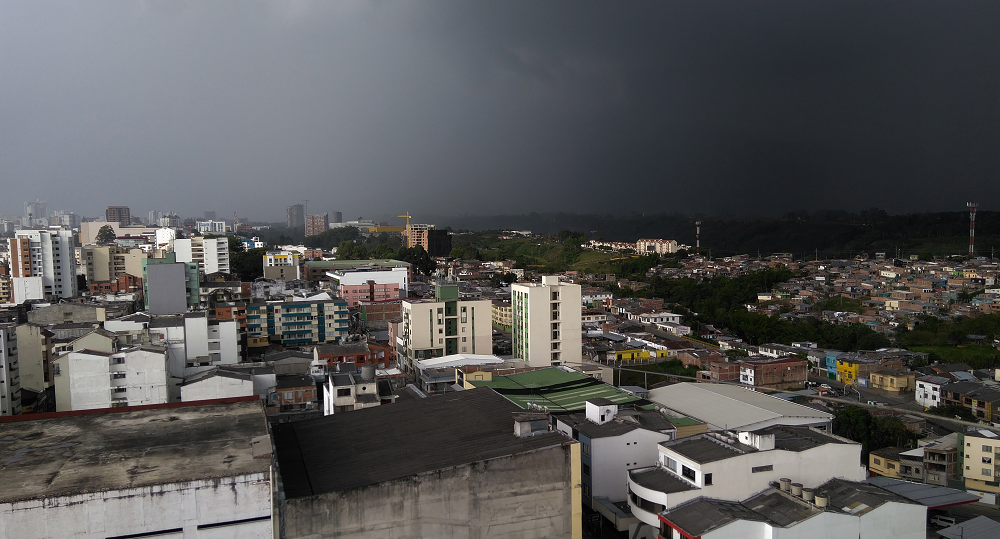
407, 233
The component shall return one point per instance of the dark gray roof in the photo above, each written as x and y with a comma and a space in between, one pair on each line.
781, 508
615, 427
856, 498
800, 438
478, 427
166, 321
295, 380
702, 449
647, 419
137, 317
660, 480
601, 401
981, 527
931, 496
962, 387
702, 515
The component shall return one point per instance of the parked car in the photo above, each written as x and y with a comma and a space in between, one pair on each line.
943, 520
825, 386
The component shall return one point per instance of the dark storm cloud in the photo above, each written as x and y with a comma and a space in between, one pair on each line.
380, 107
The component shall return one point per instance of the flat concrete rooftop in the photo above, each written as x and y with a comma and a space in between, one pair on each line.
74, 454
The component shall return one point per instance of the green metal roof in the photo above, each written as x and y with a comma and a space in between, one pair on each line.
555, 389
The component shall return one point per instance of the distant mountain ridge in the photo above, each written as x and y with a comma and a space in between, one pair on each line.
832, 232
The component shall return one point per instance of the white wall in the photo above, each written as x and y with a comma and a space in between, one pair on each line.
145, 377
88, 381
148, 509
612, 457
927, 394
26, 288
196, 337
216, 387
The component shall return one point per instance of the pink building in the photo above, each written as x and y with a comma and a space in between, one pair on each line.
370, 291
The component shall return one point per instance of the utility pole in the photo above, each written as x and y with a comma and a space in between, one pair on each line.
972, 228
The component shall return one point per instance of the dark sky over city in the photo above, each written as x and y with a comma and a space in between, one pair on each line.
376, 108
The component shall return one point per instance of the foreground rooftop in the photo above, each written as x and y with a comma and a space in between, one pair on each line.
75, 453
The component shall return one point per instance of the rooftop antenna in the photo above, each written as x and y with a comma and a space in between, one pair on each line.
972, 228
697, 237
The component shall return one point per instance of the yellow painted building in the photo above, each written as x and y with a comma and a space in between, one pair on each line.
885, 462
503, 315
628, 355
893, 381
847, 371
979, 451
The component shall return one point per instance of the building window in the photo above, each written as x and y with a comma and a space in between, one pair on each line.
345, 392
987, 460
688, 473
586, 448
877, 461
987, 471
892, 466
988, 448
670, 463
586, 470
758, 469
708, 479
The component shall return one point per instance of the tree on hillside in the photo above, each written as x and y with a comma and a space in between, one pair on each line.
105, 235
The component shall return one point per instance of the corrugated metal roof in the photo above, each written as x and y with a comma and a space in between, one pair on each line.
731, 406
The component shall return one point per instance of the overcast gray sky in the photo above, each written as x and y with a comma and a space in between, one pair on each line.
376, 108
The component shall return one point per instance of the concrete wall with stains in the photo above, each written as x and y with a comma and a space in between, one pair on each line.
226, 508
524, 496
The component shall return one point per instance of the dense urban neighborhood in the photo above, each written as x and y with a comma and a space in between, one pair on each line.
538, 386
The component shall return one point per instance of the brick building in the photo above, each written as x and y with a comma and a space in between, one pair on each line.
781, 373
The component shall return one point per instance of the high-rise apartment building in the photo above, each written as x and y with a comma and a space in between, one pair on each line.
444, 326
296, 216
337, 217
10, 380
48, 255
317, 224
416, 234
211, 254
35, 210
297, 322
546, 322
118, 214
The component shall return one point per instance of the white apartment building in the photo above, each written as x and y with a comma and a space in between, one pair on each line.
194, 343
546, 327
211, 254
287, 262
734, 465
164, 238
88, 379
658, 246
48, 254
928, 391
611, 444
212, 227
444, 326
10, 381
